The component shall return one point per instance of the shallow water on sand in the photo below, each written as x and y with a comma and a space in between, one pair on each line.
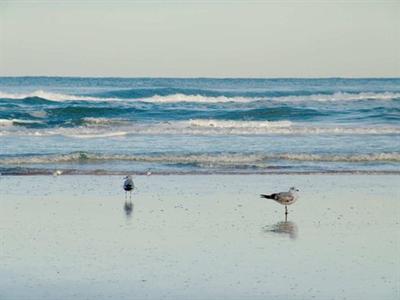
199, 237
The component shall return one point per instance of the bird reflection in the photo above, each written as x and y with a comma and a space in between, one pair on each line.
128, 208
283, 228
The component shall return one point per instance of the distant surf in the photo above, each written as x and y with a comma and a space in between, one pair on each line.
203, 98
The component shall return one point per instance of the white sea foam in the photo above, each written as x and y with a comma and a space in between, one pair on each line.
11, 122
77, 132
38, 114
204, 159
195, 98
4, 122
102, 128
176, 98
238, 124
104, 121
52, 96
393, 156
162, 158
340, 96
96, 134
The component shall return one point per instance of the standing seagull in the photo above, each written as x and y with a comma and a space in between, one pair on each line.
128, 186
284, 198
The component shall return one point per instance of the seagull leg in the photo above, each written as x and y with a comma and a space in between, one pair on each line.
286, 211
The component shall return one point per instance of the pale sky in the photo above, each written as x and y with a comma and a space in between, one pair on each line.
320, 38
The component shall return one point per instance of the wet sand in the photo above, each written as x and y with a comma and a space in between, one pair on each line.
199, 237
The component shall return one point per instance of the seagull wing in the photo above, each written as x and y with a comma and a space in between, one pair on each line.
285, 197
128, 184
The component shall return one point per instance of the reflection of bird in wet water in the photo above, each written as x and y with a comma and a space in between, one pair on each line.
128, 186
284, 198
283, 227
128, 208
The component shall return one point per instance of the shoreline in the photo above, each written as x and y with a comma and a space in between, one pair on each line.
155, 173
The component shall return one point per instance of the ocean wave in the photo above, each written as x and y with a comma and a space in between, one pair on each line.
38, 114
258, 160
207, 123
103, 121
339, 96
175, 98
142, 93
201, 98
51, 96
104, 127
85, 157
172, 98
13, 122
393, 156
174, 94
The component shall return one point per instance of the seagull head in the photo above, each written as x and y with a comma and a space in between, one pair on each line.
293, 189
128, 177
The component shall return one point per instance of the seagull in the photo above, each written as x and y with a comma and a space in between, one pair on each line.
128, 185
284, 198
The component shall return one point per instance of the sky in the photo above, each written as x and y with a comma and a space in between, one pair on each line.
320, 38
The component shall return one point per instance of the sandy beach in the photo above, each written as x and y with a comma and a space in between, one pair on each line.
199, 237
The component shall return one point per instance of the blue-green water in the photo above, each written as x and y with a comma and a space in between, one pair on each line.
107, 125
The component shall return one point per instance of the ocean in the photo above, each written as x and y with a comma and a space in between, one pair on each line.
198, 125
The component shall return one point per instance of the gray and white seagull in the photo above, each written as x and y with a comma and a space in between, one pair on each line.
128, 186
284, 198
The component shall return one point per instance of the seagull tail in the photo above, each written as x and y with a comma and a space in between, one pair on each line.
267, 196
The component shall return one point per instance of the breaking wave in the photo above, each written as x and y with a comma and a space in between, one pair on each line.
13, 122
238, 124
175, 98
316, 97
51, 96
203, 159
201, 98
340, 96
105, 127
103, 121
